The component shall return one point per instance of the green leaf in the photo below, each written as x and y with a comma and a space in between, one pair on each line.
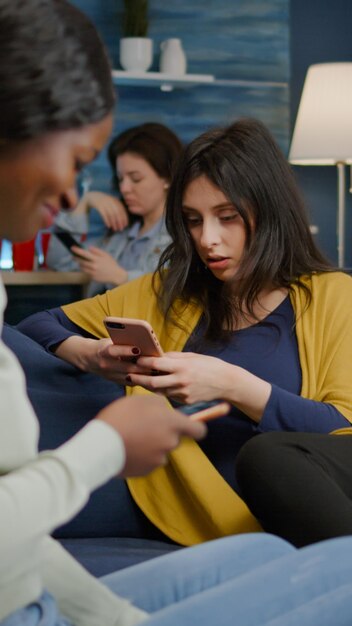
135, 19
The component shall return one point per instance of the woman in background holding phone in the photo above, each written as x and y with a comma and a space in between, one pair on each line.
246, 309
142, 159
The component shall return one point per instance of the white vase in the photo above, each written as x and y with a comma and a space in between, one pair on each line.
136, 53
172, 58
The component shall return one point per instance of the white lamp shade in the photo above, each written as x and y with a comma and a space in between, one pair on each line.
323, 130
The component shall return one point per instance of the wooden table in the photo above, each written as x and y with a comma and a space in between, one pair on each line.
30, 292
43, 277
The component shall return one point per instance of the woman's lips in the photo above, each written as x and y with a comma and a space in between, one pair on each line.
50, 213
52, 209
218, 263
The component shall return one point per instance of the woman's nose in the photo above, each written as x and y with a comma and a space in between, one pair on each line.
125, 185
69, 199
209, 235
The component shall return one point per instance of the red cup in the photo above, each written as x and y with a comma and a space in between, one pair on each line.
45, 238
23, 256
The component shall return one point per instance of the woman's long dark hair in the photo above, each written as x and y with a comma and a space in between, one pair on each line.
155, 143
245, 163
54, 71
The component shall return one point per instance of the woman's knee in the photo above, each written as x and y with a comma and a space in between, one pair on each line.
260, 456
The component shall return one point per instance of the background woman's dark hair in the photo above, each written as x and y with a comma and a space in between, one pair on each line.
154, 142
54, 72
245, 163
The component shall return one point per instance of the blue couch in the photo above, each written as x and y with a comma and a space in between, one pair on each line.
110, 532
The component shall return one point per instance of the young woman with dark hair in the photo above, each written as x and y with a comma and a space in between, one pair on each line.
245, 308
143, 159
153, 142
245, 164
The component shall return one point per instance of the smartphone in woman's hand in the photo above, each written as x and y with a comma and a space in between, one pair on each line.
133, 332
68, 241
205, 411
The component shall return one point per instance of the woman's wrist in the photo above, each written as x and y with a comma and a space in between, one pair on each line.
79, 351
249, 393
121, 275
83, 205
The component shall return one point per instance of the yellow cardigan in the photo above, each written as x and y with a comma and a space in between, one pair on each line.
188, 499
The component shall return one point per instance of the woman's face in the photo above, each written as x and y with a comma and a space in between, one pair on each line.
37, 177
215, 226
143, 190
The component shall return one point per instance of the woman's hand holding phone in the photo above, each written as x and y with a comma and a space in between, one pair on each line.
99, 265
187, 377
150, 430
100, 357
113, 361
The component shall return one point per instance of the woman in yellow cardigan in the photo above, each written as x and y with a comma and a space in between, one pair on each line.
248, 311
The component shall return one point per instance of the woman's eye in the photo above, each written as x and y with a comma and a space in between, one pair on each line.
192, 221
136, 180
229, 217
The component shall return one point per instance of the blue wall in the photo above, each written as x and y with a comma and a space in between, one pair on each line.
233, 39
320, 32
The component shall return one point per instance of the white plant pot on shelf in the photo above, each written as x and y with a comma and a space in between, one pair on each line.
172, 57
136, 53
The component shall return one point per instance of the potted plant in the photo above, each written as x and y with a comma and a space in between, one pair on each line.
136, 49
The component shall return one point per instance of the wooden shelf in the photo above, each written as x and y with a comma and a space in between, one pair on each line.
168, 82
43, 277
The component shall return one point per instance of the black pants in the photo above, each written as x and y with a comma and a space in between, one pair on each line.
298, 485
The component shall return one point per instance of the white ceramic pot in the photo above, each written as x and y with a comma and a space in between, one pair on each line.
136, 53
172, 58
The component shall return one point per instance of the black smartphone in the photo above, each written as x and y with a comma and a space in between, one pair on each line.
68, 241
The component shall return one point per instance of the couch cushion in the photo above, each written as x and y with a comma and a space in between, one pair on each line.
102, 556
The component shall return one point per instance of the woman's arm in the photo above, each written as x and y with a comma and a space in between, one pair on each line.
287, 411
192, 378
57, 334
50, 328
111, 209
101, 266
76, 222
103, 263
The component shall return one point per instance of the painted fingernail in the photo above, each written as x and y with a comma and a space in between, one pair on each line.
136, 351
128, 379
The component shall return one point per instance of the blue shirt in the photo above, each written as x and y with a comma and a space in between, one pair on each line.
268, 350
135, 246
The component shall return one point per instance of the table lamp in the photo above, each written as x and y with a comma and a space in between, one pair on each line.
323, 130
